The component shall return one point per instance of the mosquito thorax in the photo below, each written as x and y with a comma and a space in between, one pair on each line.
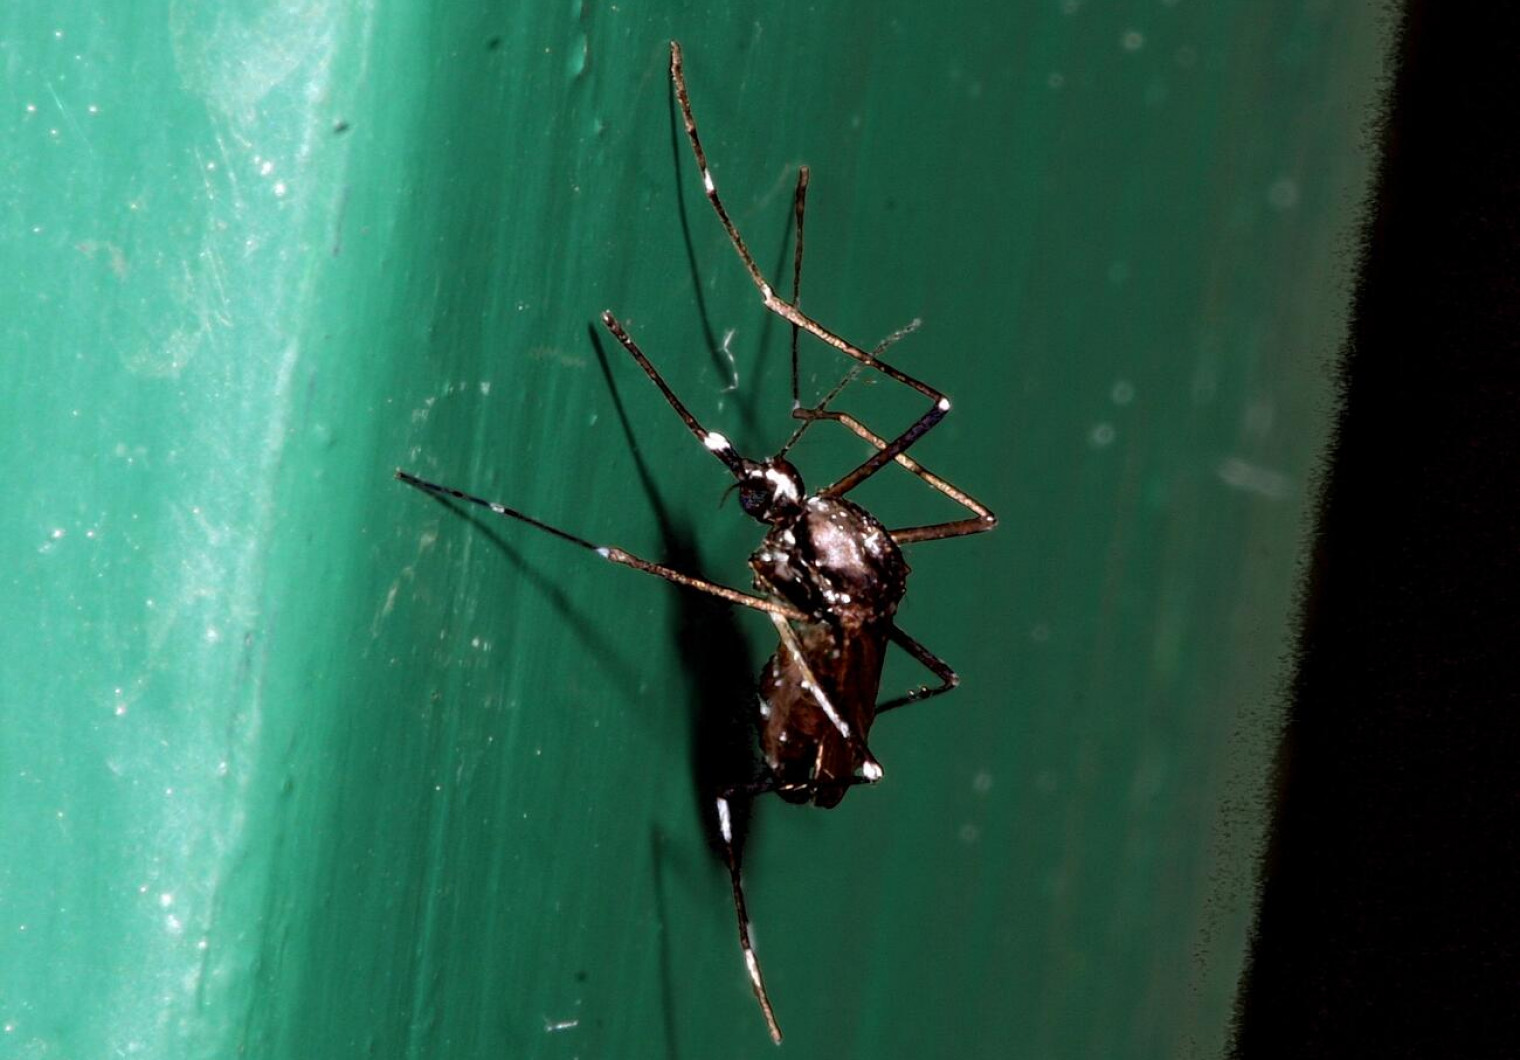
771, 490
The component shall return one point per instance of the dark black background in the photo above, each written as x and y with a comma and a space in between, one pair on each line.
1386, 926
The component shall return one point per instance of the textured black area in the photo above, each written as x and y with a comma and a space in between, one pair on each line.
1386, 925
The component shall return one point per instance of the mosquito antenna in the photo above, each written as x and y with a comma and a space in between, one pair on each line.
751, 962
891, 340
849, 377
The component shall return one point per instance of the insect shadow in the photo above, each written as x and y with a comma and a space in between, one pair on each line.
720, 665
717, 661
715, 651
586, 628
658, 841
706, 636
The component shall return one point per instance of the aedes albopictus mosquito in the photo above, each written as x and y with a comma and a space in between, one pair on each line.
829, 575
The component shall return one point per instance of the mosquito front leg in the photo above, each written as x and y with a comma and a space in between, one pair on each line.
940, 404
776, 610
981, 521
712, 441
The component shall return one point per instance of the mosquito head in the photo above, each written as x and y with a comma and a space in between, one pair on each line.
770, 490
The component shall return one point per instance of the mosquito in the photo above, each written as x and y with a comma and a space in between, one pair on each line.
829, 575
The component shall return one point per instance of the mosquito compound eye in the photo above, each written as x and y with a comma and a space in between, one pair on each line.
751, 498
770, 492
757, 498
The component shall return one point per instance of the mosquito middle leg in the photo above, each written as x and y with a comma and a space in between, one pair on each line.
982, 518
948, 678
809, 416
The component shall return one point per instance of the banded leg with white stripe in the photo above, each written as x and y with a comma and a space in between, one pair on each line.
751, 962
788, 311
612, 554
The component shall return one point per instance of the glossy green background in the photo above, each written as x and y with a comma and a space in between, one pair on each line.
296, 763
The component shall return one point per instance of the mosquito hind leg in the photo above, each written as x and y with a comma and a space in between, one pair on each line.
741, 912
799, 207
939, 404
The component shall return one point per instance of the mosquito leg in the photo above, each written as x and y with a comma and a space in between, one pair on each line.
751, 962
807, 415
767, 783
809, 679
714, 442
933, 663
776, 610
762, 785
810, 684
869, 766
981, 521
846, 782
940, 404
799, 207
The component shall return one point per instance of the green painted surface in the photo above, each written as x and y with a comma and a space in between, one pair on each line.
294, 762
